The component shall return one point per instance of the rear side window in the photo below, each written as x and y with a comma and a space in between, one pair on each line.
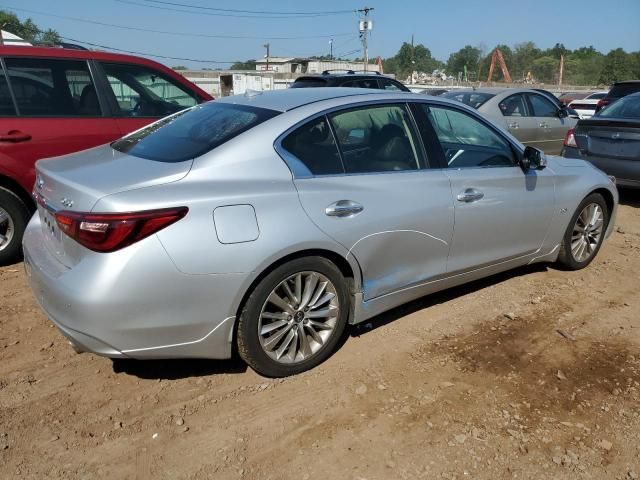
377, 139
389, 85
313, 144
60, 88
309, 82
362, 83
193, 132
7, 108
513, 106
144, 92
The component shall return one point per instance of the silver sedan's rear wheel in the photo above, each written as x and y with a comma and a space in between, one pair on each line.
294, 317
585, 233
298, 317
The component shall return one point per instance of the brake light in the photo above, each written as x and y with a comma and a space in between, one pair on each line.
601, 104
570, 139
108, 232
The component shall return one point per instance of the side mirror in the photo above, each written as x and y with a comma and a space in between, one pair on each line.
533, 159
563, 113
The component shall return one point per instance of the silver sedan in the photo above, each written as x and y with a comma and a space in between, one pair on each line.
268, 222
532, 117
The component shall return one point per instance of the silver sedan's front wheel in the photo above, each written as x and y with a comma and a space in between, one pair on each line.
298, 317
587, 232
294, 317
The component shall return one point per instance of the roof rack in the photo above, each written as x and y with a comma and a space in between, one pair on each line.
327, 72
372, 72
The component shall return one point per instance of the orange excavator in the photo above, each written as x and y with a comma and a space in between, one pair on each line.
497, 55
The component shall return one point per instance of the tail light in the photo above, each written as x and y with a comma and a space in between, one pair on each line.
570, 139
108, 232
601, 104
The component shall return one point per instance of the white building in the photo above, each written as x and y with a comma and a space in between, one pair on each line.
305, 65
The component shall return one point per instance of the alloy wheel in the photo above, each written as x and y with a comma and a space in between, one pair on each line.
587, 232
6, 229
298, 317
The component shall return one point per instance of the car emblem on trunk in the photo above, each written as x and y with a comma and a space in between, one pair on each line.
615, 136
66, 202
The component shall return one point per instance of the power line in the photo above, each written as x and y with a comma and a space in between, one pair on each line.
195, 60
201, 12
330, 12
167, 32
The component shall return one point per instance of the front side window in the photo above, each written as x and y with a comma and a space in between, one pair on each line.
144, 92
377, 139
44, 87
313, 144
466, 141
513, 106
191, 133
542, 107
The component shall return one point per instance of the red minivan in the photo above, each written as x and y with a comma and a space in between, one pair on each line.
55, 101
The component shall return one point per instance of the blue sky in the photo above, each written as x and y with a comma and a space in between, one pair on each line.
442, 26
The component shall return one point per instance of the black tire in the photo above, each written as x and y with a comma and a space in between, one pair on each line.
248, 340
20, 215
565, 257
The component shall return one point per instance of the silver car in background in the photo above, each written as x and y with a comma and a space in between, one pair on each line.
268, 222
529, 115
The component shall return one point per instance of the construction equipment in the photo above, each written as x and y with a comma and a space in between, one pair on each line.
497, 55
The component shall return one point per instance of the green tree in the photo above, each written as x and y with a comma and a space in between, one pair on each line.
27, 30
524, 54
410, 59
617, 66
546, 68
467, 56
179, 67
248, 65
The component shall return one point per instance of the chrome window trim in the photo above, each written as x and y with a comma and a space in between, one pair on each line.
300, 171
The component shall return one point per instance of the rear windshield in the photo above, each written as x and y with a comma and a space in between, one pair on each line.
192, 132
626, 107
473, 99
309, 82
624, 89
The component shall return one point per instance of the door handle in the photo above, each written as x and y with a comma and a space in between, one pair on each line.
470, 195
514, 125
343, 208
15, 136
544, 125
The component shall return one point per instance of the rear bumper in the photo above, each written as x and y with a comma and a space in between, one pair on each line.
132, 303
627, 172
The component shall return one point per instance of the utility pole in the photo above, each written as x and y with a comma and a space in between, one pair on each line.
267, 46
413, 58
365, 26
331, 49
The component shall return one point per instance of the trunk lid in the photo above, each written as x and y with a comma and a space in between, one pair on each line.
610, 138
76, 182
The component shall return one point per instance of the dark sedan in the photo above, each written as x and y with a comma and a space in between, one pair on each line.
610, 140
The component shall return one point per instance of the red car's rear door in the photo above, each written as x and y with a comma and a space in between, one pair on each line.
56, 111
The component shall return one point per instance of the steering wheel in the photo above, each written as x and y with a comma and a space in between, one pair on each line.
137, 108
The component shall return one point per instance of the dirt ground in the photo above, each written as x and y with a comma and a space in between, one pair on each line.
530, 374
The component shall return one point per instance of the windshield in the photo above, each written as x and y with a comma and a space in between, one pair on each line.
473, 99
626, 107
193, 132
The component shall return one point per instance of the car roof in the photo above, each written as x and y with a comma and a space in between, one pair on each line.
626, 82
493, 90
290, 98
72, 53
